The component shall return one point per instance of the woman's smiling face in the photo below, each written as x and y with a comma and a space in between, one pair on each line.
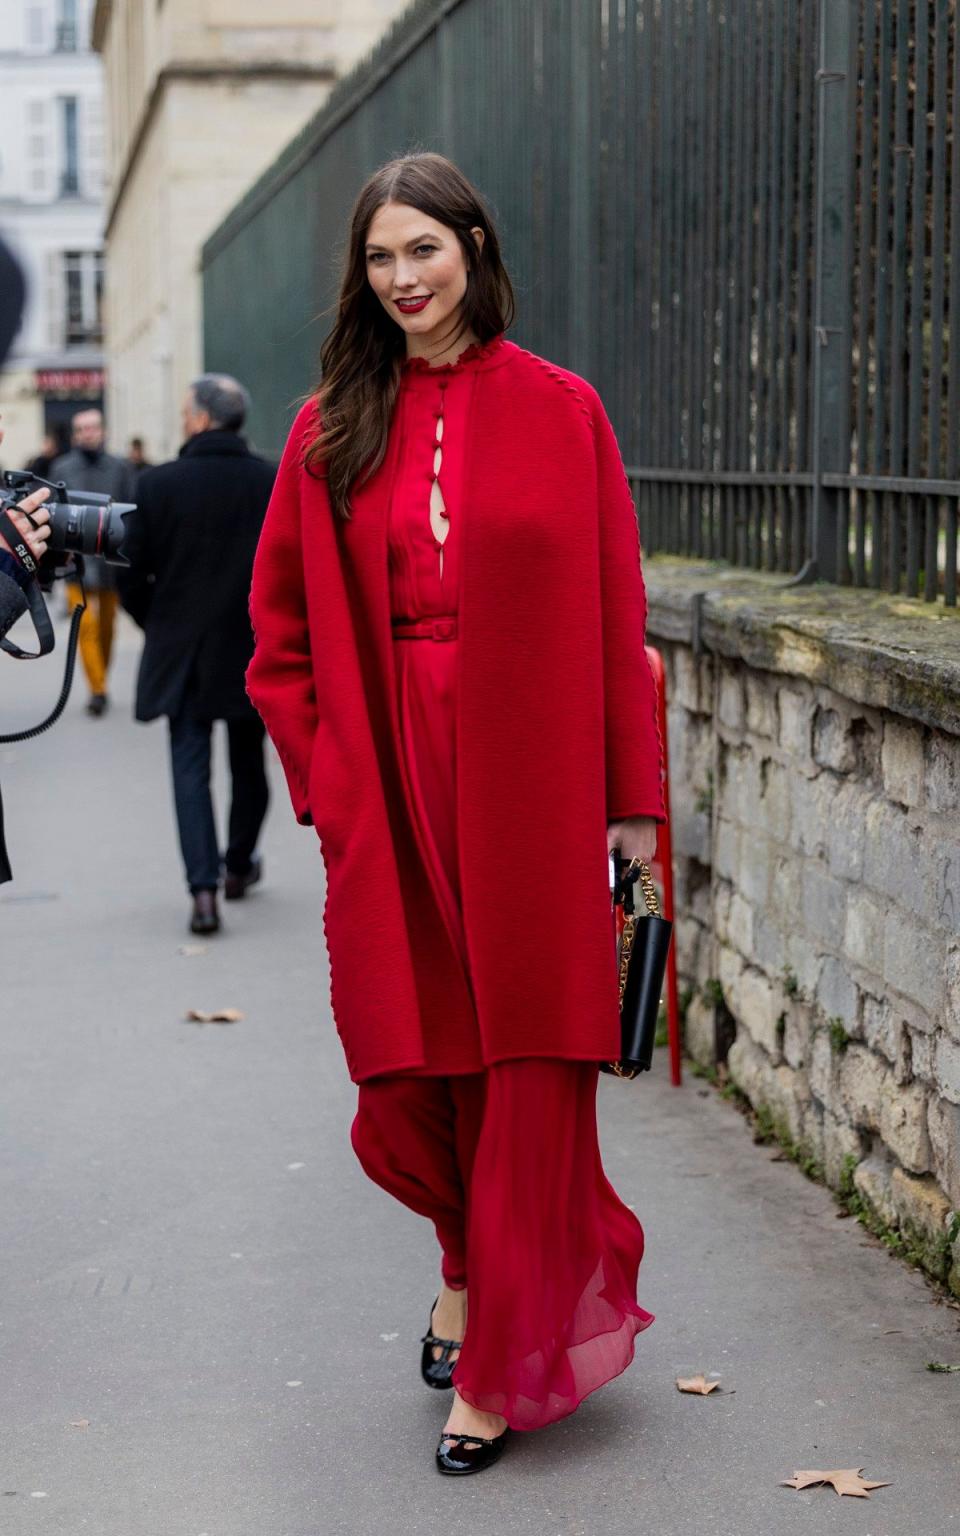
417, 269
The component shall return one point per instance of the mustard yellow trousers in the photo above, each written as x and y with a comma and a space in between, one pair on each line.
96, 633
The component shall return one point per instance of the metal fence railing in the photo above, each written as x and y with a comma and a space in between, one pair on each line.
739, 218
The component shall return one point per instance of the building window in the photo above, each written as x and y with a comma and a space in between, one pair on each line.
66, 26
70, 163
83, 298
76, 329
35, 27
39, 168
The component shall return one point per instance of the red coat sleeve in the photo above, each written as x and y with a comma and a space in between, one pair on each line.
280, 676
634, 751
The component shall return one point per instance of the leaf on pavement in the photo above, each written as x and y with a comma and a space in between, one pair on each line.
848, 1481
941, 1365
697, 1384
192, 949
218, 1016
79, 1423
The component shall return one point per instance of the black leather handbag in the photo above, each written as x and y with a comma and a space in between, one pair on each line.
642, 946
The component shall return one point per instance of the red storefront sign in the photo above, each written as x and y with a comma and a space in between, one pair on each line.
83, 382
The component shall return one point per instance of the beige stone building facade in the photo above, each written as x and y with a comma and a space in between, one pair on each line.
200, 96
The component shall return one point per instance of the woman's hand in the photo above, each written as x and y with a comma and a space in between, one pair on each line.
636, 838
34, 533
35, 538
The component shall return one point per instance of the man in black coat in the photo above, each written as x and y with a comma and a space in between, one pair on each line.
191, 545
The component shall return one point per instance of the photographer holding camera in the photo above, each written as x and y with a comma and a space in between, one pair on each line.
32, 522
28, 520
36, 546
39, 543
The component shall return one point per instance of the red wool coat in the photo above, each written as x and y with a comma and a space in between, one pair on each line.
557, 729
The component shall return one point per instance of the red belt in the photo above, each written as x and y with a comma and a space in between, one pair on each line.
425, 629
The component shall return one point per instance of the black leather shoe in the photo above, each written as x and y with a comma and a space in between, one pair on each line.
236, 886
205, 917
437, 1373
459, 1455
97, 705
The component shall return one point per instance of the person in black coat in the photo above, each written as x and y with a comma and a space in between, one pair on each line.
47, 457
191, 544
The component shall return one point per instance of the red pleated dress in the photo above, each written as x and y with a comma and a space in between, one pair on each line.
504, 1160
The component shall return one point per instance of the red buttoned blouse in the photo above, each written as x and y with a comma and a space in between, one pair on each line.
424, 543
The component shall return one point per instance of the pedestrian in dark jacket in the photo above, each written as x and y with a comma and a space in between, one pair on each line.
47, 457
137, 457
191, 544
88, 467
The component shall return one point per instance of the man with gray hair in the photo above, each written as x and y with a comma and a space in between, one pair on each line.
191, 544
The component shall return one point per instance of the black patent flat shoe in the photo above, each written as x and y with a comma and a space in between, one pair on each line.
438, 1373
459, 1455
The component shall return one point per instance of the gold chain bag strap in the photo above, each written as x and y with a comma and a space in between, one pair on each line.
642, 949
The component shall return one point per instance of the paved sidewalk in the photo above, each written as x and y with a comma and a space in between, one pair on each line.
194, 1264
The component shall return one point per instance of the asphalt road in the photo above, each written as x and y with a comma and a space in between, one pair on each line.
209, 1318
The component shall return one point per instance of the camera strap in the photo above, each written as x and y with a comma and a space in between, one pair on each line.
35, 603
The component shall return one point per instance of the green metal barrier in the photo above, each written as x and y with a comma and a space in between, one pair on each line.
740, 219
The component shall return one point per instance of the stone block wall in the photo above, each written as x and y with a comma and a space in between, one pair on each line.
814, 740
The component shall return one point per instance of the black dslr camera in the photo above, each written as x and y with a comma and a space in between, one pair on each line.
81, 523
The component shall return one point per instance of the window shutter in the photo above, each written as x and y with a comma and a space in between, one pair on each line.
56, 301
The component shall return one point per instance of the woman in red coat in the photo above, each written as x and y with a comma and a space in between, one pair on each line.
449, 612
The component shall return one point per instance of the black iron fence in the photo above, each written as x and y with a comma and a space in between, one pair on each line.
739, 218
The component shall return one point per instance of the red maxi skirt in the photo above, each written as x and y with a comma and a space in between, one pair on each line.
504, 1161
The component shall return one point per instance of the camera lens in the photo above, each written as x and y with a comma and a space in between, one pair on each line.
88, 530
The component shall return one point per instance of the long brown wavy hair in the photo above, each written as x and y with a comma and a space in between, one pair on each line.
361, 358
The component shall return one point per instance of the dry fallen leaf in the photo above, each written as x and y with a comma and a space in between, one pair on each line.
192, 949
218, 1016
79, 1423
698, 1384
846, 1481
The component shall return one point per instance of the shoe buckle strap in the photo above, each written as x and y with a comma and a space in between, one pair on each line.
444, 1344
